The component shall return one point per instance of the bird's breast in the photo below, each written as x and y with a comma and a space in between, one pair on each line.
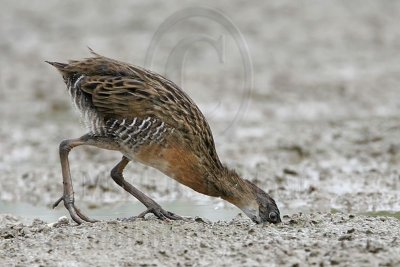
177, 163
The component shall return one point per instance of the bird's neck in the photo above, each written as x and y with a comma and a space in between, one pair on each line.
234, 189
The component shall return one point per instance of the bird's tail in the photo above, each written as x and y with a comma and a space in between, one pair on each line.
59, 66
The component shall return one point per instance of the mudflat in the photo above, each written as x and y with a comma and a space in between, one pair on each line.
318, 130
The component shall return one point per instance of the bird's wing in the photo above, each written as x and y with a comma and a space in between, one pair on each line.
130, 97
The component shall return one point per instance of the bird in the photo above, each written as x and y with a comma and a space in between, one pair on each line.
150, 120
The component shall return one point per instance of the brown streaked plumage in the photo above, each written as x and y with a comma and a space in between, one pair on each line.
149, 119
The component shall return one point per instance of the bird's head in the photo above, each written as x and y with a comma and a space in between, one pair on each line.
252, 200
261, 208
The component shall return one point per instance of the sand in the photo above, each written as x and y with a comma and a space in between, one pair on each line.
318, 130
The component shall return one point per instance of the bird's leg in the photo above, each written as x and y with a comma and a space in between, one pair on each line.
68, 196
151, 205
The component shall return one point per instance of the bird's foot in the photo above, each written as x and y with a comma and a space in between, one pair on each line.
160, 213
74, 212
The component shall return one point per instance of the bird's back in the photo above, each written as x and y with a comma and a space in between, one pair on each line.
138, 108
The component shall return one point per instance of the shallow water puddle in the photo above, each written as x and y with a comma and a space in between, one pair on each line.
212, 212
394, 214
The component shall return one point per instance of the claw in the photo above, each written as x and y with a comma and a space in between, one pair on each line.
74, 212
57, 202
84, 217
160, 213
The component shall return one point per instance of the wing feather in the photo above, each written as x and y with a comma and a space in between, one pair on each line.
122, 97
122, 91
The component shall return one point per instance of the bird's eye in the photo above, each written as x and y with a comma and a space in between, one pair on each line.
273, 216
